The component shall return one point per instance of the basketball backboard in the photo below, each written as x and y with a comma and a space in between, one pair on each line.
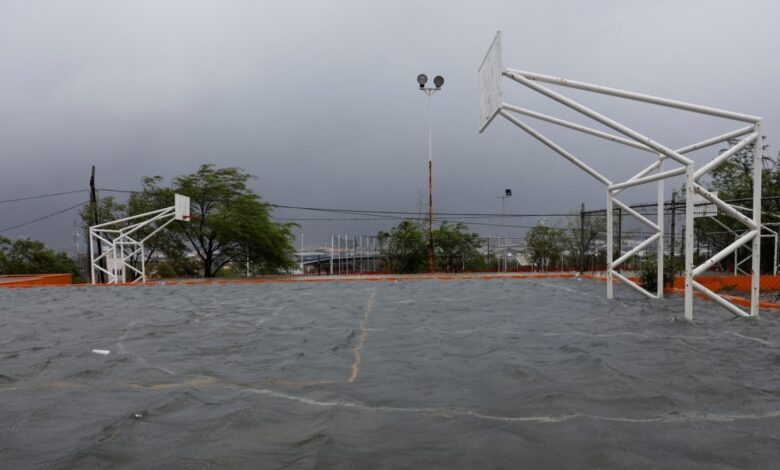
182, 207
490, 84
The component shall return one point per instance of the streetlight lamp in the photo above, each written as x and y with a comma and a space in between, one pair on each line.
507, 193
438, 81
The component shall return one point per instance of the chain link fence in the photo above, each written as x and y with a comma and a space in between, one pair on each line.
577, 244
373, 255
712, 233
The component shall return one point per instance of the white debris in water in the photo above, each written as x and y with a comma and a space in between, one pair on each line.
103, 352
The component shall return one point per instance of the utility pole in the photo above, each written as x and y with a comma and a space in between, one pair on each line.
93, 199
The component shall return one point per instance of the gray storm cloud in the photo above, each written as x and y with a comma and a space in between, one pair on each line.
319, 100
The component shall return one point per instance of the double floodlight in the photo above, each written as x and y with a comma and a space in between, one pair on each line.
438, 81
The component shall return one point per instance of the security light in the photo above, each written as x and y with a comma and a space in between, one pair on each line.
508, 192
422, 79
438, 81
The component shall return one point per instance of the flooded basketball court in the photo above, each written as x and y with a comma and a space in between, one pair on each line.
460, 373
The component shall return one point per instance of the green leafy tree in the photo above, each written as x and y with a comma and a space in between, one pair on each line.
25, 256
544, 245
4, 243
230, 222
174, 264
648, 273
457, 249
405, 248
733, 179
581, 235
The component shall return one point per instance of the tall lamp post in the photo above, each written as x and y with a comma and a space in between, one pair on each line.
438, 81
507, 193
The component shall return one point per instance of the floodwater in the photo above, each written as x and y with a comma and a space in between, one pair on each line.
536, 373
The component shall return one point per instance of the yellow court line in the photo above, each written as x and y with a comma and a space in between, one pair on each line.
359, 347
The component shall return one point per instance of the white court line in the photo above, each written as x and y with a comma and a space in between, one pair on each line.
570, 333
546, 419
679, 417
758, 340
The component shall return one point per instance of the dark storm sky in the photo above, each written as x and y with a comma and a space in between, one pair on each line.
318, 99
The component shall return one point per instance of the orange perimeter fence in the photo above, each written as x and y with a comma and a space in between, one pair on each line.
36, 280
724, 285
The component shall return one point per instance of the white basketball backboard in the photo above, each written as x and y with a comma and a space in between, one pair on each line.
490, 84
181, 207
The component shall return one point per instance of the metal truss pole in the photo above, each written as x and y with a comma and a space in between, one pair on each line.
143, 263
757, 168
610, 234
689, 242
92, 277
660, 251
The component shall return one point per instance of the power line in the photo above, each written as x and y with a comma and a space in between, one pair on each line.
453, 214
331, 219
416, 219
19, 199
43, 218
117, 190
394, 215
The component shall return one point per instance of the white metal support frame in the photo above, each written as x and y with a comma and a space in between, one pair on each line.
491, 73
119, 246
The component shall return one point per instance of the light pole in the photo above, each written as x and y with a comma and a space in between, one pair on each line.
438, 81
507, 193
302, 266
